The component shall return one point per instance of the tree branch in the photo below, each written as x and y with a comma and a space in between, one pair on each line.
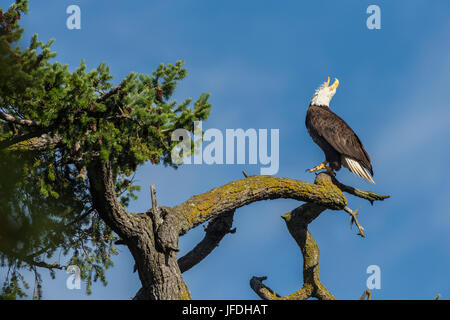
101, 184
265, 293
229, 197
42, 264
370, 196
216, 230
297, 222
32, 262
367, 294
155, 210
217, 206
354, 219
33, 141
22, 122
16, 140
41, 138
111, 92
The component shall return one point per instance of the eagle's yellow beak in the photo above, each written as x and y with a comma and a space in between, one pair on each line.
334, 85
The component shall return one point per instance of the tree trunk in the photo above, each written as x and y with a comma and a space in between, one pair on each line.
158, 271
153, 237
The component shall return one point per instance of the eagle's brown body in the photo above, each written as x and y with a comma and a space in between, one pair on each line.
338, 141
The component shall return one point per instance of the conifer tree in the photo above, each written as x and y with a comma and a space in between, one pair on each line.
70, 144
53, 125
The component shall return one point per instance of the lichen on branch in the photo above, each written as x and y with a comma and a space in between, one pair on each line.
297, 222
203, 207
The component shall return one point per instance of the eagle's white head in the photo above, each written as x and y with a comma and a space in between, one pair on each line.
323, 95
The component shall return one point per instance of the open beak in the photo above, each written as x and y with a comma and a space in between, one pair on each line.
334, 85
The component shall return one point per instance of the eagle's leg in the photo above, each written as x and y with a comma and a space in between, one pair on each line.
321, 166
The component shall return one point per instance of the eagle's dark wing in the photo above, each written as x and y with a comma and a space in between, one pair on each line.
338, 134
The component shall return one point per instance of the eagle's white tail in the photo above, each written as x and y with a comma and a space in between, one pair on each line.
356, 168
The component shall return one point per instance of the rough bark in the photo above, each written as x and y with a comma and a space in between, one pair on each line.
153, 239
297, 222
158, 270
214, 233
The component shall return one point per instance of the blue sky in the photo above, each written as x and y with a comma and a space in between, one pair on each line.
261, 61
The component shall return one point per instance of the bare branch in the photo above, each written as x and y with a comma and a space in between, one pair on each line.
370, 196
229, 197
216, 230
162, 235
264, 292
157, 215
354, 219
297, 223
367, 294
22, 122
105, 202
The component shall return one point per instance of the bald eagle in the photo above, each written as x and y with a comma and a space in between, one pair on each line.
334, 136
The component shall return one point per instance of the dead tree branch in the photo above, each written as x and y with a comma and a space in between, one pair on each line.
370, 196
155, 249
214, 233
297, 222
209, 205
367, 294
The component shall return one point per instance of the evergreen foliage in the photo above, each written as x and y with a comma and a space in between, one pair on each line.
45, 203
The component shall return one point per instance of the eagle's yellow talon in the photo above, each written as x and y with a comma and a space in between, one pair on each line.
321, 166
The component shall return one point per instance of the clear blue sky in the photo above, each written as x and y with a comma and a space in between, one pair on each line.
261, 61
